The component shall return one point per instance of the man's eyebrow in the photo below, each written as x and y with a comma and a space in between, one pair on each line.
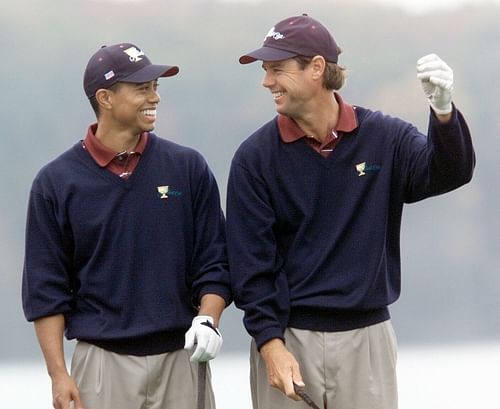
141, 84
272, 64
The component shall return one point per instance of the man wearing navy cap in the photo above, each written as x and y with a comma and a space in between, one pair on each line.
314, 205
125, 252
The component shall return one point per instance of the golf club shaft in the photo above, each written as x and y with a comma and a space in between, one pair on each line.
202, 384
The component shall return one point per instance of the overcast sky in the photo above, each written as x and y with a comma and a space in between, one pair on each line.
414, 6
422, 6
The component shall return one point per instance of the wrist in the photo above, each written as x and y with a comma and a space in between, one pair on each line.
57, 372
441, 111
212, 305
443, 119
271, 346
203, 318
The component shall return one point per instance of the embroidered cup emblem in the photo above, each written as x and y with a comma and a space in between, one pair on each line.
163, 190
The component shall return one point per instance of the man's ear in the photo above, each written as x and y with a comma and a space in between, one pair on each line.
104, 98
318, 65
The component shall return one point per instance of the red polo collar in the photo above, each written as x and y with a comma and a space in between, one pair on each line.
101, 153
347, 122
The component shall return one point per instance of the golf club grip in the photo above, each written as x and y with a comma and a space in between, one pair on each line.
305, 397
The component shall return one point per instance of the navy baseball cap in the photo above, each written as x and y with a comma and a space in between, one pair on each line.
295, 36
123, 62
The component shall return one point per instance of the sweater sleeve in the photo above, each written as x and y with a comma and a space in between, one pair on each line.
46, 285
437, 164
209, 272
259, 285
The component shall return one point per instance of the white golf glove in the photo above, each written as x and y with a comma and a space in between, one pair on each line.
437, 82
205, 336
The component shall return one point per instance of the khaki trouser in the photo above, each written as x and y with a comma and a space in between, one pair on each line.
342, 370
112, 381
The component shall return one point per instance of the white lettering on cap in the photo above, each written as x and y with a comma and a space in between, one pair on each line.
134, 54
274, 34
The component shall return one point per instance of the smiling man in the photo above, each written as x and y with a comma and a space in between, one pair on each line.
125, 252
314, 205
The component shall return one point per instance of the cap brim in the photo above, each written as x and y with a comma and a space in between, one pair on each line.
266, 54
151, 72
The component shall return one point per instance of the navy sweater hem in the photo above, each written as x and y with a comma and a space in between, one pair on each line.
339, 320
152, 344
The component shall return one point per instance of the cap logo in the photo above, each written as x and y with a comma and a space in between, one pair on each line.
275, 34
109, 75
134, 55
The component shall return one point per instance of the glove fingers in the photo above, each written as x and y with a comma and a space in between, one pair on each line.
437, 82
439, 73
442, 82
211, 349
204, 337
427, 58
433, 66
195, 357
206, 355
218, 347
199, 351
189, 340
208, 348
440, 78
431, 59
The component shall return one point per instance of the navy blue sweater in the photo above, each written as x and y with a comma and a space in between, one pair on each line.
313, 242
126, 261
